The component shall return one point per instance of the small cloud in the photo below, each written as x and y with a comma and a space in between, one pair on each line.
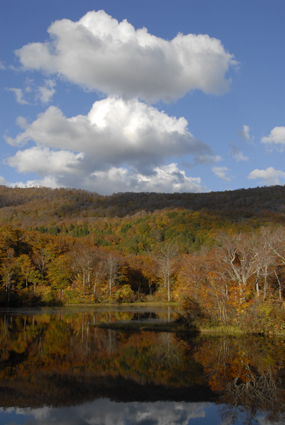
9, 140
21, 122
45, 182
207, 159
269, 176
244, 134
276, 137
2, 66
221, 172
29, 85
3, 182
46, 92
42, 93
237, 154
19, 95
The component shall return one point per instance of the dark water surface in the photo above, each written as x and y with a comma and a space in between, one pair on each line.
57, 368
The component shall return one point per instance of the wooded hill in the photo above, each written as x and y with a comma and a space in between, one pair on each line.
30, 207
224, 250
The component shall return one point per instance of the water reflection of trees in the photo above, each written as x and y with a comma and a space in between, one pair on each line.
248, 372
58, 358
41, 352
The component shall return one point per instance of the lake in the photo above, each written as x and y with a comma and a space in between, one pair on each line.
57, 368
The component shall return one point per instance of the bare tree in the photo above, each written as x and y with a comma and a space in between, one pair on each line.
273, 258
112, 269
99, 273
277, 244
167, 261
240, 258
265, 258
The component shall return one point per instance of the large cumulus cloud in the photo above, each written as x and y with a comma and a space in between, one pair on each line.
115, 132
120, 145
99, 53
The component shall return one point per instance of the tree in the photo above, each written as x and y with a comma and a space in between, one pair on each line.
276, 242
8, 271
99, 273
167, 262
28, 271
59, 272
42, 258
206, 282
112, 267
266, 259
239, 257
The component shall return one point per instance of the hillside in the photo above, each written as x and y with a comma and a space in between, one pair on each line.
29, 207
68, 245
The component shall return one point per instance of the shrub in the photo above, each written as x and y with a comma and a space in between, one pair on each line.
264, 317
124, 294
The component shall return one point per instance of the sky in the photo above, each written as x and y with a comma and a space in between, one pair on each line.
154, 96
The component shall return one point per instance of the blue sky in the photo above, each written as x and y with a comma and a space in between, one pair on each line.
152, 96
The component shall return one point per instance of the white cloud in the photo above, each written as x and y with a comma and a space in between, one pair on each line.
46, 92
19, 96
47, 181
99, 53
168, 178
3, 182
244, 134
42, 93
2, 66
43, 161
221, 172
21, 122
113, 134
28, 89
59, 170
276, 137
121, 145
269, 176
237, 154
207, 159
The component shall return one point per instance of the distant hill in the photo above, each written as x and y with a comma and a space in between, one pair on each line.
28, 207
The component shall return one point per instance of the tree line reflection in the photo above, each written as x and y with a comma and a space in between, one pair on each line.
62, 359
248, 373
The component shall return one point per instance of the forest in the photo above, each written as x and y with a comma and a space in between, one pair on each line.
220, 255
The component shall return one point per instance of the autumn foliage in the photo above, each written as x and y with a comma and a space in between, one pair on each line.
68, 247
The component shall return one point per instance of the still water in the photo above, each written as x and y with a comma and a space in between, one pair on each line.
57, 368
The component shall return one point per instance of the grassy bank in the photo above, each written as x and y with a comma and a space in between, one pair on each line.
173, 326
177, 326
221, 330
134, 304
